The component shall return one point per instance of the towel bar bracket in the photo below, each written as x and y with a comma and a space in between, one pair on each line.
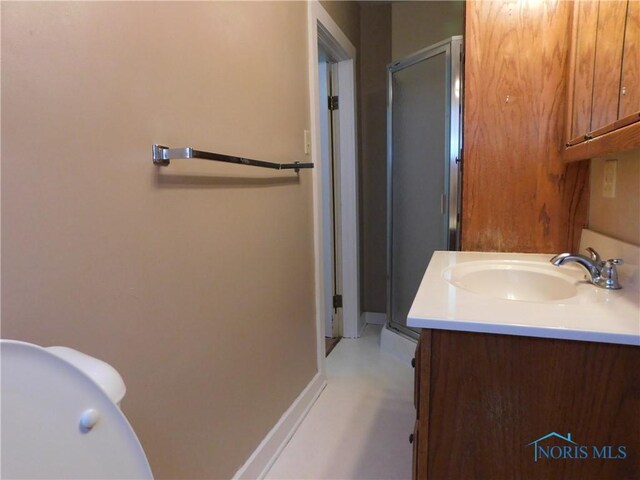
159, 157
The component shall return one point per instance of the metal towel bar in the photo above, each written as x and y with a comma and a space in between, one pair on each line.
162, 155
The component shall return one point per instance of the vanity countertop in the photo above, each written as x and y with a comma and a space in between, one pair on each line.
589, 313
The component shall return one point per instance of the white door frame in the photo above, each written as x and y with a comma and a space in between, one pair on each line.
322, 28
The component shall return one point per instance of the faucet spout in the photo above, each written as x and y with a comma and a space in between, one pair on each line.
592, 268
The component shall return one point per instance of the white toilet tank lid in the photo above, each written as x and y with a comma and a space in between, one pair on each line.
107, 377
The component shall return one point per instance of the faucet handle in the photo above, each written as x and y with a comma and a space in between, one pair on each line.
609, 275
595, 256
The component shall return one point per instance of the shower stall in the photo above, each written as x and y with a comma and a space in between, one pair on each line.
424, 145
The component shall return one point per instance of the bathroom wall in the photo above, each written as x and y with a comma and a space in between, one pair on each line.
375, 55
346, 14
196, 281
417, 25
618, 217
518, 195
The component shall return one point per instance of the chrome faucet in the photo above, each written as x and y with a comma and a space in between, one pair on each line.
601, 273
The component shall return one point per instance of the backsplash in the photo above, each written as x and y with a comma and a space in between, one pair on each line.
618, 217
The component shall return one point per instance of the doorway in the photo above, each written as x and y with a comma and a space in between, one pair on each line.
328, 105
325, 36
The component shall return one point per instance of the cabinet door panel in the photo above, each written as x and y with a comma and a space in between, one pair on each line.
630, 91
585, 52
608, 66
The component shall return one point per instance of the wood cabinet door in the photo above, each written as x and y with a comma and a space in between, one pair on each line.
585, 26
608, 62
630, 83
494, 394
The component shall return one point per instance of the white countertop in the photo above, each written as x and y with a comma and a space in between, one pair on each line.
593, 314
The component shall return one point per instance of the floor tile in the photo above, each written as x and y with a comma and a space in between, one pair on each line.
360, 425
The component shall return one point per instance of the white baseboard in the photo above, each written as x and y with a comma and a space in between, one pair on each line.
375, 318
397, 345
261, 460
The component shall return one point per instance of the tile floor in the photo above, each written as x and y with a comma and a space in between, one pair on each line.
360, 425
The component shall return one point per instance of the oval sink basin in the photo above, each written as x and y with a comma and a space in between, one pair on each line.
513, 280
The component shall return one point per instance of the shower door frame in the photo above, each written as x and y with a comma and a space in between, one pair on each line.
453, 49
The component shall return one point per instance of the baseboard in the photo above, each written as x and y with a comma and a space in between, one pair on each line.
261, 460
375, 318
397, 345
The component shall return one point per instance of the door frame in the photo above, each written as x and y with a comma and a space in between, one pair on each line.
329, 169
322, 29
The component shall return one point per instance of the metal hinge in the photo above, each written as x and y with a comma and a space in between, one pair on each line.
333, 103
337, 301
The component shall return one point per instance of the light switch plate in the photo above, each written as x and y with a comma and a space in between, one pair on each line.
609, 180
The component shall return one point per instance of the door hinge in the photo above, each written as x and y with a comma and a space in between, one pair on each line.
337, 301
333, 103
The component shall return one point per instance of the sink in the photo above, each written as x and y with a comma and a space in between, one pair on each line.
515, 280
524, 294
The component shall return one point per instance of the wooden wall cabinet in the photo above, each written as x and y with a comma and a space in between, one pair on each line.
604, 79
482, 399
518, 195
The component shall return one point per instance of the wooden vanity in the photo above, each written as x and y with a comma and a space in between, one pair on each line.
516, 390
497, 371
481, 399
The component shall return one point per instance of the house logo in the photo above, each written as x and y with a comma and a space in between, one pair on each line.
546, 451
555, 446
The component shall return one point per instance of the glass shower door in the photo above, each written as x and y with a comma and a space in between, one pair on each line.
422, 215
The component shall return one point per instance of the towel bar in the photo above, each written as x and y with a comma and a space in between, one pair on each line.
162, 155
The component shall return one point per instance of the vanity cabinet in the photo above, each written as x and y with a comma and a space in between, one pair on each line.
483, 400
603, 94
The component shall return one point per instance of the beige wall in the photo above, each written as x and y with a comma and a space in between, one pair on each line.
618, 217
346, 14
195, 281
417, 25
375, 55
